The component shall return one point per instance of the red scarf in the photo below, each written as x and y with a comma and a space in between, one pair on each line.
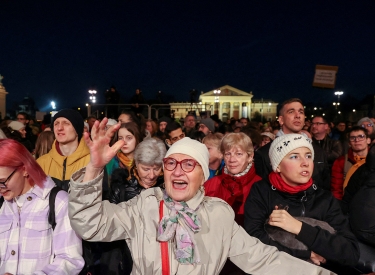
278, 182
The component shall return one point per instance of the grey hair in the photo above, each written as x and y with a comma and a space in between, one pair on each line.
150, 151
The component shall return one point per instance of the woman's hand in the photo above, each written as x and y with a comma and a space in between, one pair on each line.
100, 151
282, 219
317, 259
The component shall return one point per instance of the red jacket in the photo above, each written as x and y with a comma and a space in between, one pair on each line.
337, 175
234, 190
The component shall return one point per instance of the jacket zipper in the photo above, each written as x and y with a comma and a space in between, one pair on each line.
303, 199
64, 169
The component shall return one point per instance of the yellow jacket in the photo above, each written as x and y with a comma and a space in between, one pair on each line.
60, 168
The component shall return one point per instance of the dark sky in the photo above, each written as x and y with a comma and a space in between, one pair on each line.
58, 50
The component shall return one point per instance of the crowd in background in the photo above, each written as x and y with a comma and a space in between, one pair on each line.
244, 169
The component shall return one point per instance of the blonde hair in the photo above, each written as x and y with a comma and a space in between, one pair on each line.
240, 140
213, 139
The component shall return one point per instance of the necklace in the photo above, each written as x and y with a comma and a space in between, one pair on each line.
21, 199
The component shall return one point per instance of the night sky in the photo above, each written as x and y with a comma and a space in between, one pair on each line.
58, 50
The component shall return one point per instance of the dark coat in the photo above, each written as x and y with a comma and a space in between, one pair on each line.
321, 173
333, 148
362, 206
315, 203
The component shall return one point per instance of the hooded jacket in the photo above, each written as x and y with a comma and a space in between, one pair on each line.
60, 168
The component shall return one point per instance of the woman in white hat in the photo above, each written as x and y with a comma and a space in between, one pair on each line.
176, 231
291, 192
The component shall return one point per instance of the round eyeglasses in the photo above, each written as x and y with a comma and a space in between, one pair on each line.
187, 165
3, 183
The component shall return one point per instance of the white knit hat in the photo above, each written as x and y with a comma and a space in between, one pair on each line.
284, 144
194, 149
16, 125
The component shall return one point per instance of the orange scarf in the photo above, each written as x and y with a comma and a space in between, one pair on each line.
125, 162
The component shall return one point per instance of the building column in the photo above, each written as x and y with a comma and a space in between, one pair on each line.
231, 110
240, 110
221, 110
213, 108
249, 110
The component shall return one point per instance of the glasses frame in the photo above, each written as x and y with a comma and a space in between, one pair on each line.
357, 138
180, 163
367, 125
3, 183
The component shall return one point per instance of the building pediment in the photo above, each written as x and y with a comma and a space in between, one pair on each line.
226, 90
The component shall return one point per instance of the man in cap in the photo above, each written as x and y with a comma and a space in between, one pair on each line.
206, 126
369, 125
69, 152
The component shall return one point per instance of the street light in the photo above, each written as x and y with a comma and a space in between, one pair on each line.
53, 105
92, 95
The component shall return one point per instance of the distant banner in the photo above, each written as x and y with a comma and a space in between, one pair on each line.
325, 76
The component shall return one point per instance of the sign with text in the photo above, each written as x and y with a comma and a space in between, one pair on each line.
325, 76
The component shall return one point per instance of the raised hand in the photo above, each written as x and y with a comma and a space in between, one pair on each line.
282, 219
100, 151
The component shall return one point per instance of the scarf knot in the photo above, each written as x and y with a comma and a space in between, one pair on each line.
181, 223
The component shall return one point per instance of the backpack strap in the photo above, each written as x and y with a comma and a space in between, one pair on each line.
1, 201
52, 199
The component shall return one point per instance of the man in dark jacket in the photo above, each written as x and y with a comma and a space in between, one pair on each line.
319, 130
292, 120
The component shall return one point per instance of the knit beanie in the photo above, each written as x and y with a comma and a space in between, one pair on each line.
210, 124
194, 149
366, 120
165, 119
284, 144
74, 117
16, 125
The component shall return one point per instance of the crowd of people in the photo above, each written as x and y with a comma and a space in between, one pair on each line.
291, 196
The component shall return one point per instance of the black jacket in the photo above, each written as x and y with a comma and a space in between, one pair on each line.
321, 173
333, 148
362, 206
122, 189
316, 203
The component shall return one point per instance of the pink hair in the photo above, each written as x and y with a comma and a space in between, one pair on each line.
14, 154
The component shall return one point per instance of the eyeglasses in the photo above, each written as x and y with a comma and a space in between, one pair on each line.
174, 139
357, 138
3, 183
318, 123
366, 125
187, 165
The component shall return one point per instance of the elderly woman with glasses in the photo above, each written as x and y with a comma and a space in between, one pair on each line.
28, 242
173, 231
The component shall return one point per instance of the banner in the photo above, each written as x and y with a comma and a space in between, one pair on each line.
325, 76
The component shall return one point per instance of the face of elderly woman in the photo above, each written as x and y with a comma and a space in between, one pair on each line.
296, 167
129, 138
181, 185
236, 160
148, 174
16, 183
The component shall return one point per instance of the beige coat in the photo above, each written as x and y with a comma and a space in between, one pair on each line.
137, 220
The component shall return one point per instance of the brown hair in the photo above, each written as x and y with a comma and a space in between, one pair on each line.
288, 101
213, 139
44, 143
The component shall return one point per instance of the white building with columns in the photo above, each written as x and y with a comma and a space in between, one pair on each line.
227, 102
